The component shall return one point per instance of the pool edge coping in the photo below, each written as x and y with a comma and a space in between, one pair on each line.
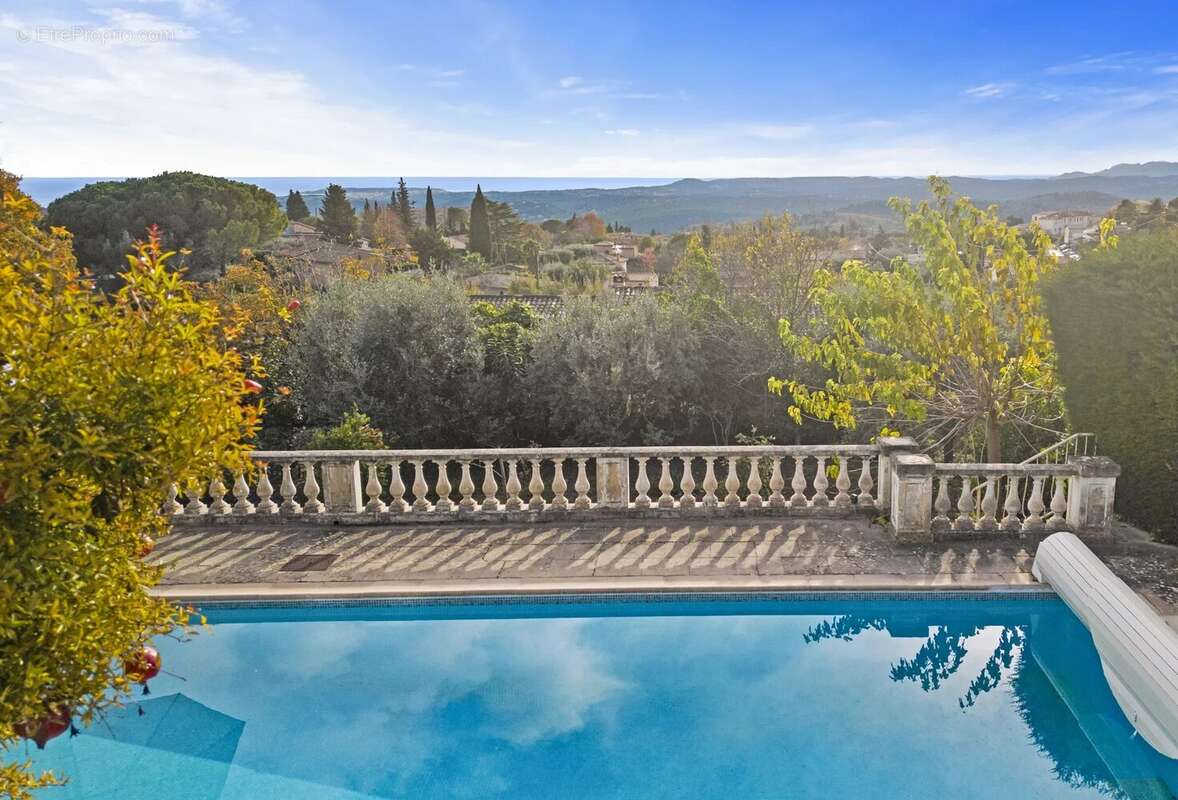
343, 590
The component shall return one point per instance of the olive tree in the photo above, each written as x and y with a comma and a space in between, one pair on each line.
605, 372
404, 352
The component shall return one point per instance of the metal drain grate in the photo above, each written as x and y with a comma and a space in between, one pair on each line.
309, 563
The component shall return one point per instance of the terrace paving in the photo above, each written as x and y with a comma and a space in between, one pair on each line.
786, 553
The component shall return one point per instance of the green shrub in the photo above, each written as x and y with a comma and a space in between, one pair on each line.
354, 432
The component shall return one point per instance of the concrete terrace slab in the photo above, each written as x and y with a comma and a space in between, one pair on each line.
785, 553
255, 560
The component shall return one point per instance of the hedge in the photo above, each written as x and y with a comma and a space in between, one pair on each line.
1114, 319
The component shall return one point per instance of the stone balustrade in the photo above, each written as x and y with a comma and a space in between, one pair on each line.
390, 485
930, 499
921, 498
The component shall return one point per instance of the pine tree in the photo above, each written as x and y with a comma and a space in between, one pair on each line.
368, 221
431, 214
296, 207
404, 206
337, 217
480, 225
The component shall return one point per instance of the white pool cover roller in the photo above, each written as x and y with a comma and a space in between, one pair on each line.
1138, 651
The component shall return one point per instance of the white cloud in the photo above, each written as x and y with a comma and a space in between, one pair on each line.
623, 132
773, 132
206, 13
1113, 62
989, 90
1168, 69
140, 107
576, 85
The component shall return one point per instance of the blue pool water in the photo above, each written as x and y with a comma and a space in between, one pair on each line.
741, 697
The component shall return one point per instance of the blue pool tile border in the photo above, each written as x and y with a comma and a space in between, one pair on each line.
638, 598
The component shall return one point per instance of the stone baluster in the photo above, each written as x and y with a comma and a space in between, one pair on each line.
582, 486
536, 488
559, 486
866, 484
965, 506
842, 482
941, 504
642, 485
420, 488
687, 484
514, 503
374, 490
1059, 505
312, 504
776, 484
710, 483
442, 487
490, 486
171, 506
798, 484
666, 484
217, 493
265, 492
397, 489
1035, 507
241, 491
1013, 505
195, 506
466, 489
989, 519
821, 484
732, 484
754, 499
288, 490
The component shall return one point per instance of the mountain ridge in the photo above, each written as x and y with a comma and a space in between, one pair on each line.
692, 201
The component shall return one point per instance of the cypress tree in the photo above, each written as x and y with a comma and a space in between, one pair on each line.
337, 217
296, 207
480, 225
405, 206
431, 214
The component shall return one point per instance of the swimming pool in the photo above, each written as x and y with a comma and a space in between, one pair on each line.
733, 696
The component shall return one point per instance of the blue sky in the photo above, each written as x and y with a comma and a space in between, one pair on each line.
133, 87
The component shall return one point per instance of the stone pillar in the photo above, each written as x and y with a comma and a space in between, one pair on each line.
341, 487
613, 482
890, 446
1091, 494
912, 497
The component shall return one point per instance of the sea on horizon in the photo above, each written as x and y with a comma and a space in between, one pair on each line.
46, 190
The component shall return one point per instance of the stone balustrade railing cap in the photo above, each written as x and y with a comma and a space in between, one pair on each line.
913, 464
1095, 466
889, 444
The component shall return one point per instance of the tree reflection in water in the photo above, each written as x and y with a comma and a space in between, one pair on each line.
938, 658
1053, 729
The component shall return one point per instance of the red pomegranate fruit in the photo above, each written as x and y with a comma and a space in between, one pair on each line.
40, 731
143, 666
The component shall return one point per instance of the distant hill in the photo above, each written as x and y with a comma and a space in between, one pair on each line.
689, 202
1150, 169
